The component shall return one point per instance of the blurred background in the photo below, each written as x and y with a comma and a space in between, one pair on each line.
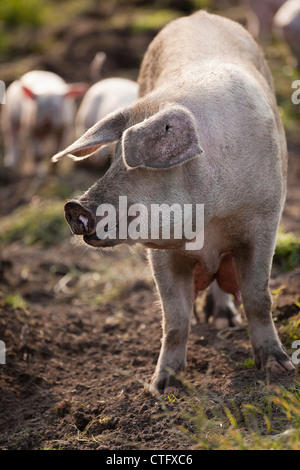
66, 36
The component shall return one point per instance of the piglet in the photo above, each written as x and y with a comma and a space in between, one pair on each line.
39, 105
287, 26
101, 99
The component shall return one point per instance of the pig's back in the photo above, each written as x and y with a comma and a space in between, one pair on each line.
43, 82
103, 98
116, 93
193, 41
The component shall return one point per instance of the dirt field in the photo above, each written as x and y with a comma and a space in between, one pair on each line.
82, 331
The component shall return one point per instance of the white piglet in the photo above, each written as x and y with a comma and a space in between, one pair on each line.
260, 16
40, 105
102, 98
287, 25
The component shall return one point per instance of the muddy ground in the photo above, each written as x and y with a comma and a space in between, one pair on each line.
83, 341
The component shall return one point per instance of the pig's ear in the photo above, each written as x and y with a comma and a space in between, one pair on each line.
104, 132
167, 139
76, 90
28, 92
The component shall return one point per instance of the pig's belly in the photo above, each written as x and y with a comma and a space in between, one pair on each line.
226, 277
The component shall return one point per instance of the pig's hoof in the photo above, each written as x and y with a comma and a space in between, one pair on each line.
228, 322
274, 360
165, 380
277, 367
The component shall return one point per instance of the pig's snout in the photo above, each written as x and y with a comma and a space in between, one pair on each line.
80, 219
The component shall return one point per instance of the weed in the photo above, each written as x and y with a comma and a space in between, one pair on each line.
43, 223
16, 12
248, 363
146, 20
16, 301
290, 330
271, 422
287, 252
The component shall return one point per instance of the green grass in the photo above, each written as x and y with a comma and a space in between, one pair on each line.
37, 13
287, 252
17, 12
43, 223
290, 329
147, 19
248, 363
284, 73
20, 19
270, 421
16, 301
207, 4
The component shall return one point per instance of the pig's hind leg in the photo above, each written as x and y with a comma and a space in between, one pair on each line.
221, 307
254, 267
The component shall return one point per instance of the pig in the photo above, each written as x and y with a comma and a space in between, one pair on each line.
260, 16
287, 25
205, 130
38, 105
102, 98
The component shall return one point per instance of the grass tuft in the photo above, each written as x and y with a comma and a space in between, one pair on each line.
287, 252
43, 223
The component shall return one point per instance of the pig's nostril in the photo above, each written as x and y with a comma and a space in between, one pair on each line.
82, 227
84, 221
80, 219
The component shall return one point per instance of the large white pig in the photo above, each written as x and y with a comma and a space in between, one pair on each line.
39, 105
205, 131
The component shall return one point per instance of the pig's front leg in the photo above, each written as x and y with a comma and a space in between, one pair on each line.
12, 144
37, 148
174, 279
254, 266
